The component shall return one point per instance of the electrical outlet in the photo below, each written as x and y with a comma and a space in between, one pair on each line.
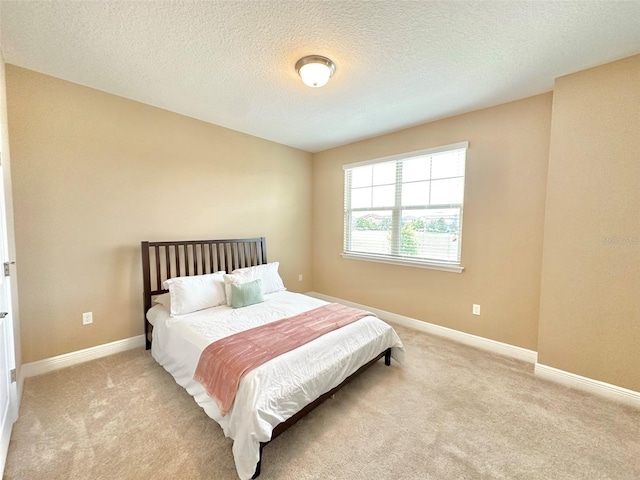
87, 318
476, 309
300, 277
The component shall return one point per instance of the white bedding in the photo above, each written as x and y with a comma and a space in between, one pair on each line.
278, 389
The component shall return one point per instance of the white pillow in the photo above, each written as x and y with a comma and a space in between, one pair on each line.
268, 273
163, 299
197, 292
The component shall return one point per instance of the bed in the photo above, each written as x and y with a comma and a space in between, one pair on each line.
275, 395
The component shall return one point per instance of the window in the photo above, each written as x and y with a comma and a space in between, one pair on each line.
407, 209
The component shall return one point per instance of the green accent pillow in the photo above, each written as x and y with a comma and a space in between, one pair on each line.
246, 294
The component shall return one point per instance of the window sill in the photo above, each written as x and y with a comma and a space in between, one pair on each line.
445, 267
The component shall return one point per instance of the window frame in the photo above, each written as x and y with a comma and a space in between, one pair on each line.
397, 259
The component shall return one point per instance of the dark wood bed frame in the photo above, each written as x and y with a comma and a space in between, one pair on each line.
163, 260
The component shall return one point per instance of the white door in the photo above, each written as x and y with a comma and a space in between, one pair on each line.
8, 390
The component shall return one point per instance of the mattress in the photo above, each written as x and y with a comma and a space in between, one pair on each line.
275, 391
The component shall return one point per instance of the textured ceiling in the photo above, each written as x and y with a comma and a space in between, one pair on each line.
399, 63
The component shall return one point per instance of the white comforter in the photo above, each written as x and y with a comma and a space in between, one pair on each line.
278, 389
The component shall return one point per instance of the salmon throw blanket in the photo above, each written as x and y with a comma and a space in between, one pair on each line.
224, 362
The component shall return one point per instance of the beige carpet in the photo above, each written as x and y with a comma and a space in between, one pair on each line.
451, 412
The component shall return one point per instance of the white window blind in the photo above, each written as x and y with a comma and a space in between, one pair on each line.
406, 208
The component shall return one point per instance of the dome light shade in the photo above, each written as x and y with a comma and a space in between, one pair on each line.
315, 70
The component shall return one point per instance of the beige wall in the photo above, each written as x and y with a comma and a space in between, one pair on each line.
590, 295
502, 234
94, 174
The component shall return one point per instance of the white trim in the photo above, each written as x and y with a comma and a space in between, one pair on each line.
404, 262
73, 358
603, 389
472, 340
596, 387
5, 437
613, 392
417, 153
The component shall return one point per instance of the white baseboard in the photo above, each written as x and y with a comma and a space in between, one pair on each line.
472, 340
612, 392
68, 359
596, 387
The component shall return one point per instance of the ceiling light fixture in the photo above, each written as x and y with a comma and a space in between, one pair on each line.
315, 70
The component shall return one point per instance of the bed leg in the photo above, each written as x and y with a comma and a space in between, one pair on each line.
257, 472
387, 357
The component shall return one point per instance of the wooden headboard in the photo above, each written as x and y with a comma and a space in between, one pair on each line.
163, 260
